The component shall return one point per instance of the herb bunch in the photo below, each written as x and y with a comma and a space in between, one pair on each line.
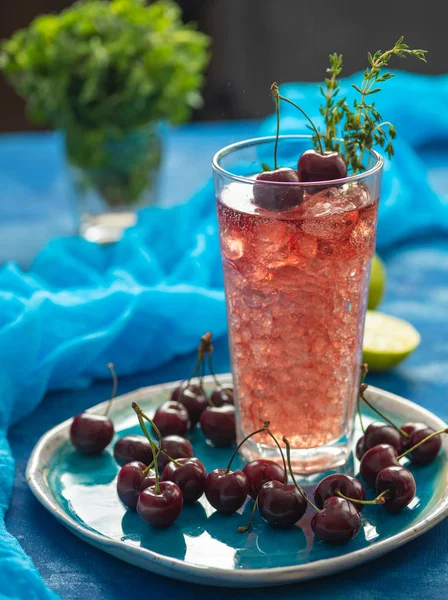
101, 68
361, 124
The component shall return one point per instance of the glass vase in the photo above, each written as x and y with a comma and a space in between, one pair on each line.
113, 178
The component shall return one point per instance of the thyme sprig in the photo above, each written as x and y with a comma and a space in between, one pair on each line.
331, 110
362, 124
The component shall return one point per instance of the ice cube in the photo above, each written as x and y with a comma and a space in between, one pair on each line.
329, 214
232, 245
273, 237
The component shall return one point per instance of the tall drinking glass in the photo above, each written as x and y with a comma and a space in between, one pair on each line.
296, 282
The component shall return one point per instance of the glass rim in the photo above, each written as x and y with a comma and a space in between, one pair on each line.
271, 138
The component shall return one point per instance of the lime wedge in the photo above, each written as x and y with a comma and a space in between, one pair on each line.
387, 340
377, 282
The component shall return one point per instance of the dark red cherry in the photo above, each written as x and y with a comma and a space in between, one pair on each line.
269, 196
177, 392
409, 428
90, 433
337, 522
281, 505
218, 425
427, 452
226, 491
222, 395
346, 484
400, 485
172, 419
176, 447
380, 432
131, 481
189, 477
160, 509
313, 166
193, 398
133, 447
412, 426
376, 459
261, 471
360, 448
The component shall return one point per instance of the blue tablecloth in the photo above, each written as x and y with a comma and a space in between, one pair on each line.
418, 291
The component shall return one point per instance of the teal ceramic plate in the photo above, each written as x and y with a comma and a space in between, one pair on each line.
204, 546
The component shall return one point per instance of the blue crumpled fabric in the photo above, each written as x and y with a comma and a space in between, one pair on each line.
82, 305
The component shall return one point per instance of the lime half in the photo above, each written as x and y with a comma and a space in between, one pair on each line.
387, 340
377, 283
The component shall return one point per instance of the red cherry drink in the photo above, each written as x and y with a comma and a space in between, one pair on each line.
296, 287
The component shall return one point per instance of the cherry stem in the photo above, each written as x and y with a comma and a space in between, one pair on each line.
251, 518
364, 369
202, 375
433, 434
159, 435
212, 372
261, 430
360, 415
285, 479
111, 368
378, 500
291, 472
153, 447
205, 346
148, 468
362, 389
209, 351
274, 89
141, 414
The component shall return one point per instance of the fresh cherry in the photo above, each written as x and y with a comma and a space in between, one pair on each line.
284, 196
360, 448
379, 432
160, 507
280, 504
226, 490
176, 447
346, 484
177, 392
399, 484
171, 418
313, 166
259, 472
427, 452
376, 459
412, 426
222, 395
338, 522
133, 447
131, 481
409, 428
218, 425
189, 475
192, 396
90, 433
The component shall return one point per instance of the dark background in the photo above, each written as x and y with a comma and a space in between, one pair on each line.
258, 41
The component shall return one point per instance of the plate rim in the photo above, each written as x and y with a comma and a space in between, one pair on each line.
180, 569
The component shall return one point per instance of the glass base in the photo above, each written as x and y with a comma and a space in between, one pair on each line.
304, 461
106, 228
